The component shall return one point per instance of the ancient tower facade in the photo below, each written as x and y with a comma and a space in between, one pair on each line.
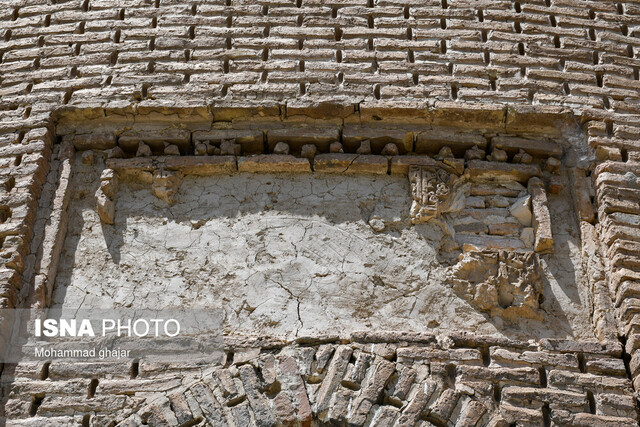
381, 212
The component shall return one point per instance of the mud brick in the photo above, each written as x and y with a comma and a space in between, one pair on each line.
413, 411
616, 405
61, 405
514, 414
339, 410
582, 192
497, 170
226, 383
406, 377
356, 372
504, 357
609, 348
472, 227
505, 190
350, 163
207, 402
289, 374
323, 355
466, 355
96, 141
32, 388
180, 408
578, 381
138, 386
134, 164
241, 414
270, 163
525, 376
590, 420
385, 416
201, 165
605, 366
505, 229
535, 147
536, 397
472, 412
160, 412
332, 379
369, 394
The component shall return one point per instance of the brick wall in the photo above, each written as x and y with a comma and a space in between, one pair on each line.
502, 64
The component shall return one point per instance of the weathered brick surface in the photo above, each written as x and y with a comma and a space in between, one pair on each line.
488, 73
337, 382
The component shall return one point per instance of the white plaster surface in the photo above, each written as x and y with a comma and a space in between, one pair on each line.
292, 255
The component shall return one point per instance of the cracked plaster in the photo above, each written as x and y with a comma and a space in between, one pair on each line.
291, 255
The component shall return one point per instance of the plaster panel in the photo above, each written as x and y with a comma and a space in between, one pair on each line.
296, 254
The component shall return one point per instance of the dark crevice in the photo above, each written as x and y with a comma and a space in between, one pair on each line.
546, 415
36, 401
497, 392
543, 376
134, 369
592, 402
93, 385
44, 372
581, 362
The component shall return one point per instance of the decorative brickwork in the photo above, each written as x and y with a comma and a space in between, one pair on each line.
538, 98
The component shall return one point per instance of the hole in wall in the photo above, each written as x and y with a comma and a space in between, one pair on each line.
44, 372
134, 369
592, 402
36, 401
543, 376
93, 385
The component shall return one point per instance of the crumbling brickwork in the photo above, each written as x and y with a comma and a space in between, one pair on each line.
348, 87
